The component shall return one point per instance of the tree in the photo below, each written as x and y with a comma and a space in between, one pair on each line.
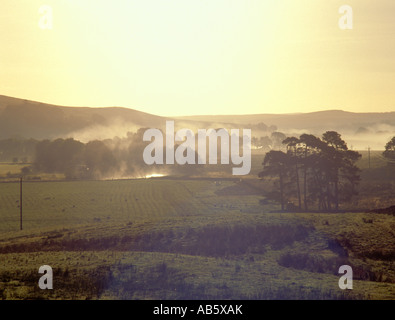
63, 156
26, 170
330, 175
333, 158
275, 164
389, 152
310, 147
261, 126
293, 151
341, 169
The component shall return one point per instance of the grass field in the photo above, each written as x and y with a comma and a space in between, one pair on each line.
184, 239
65, 203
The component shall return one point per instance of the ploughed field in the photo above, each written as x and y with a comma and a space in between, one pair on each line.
185, 239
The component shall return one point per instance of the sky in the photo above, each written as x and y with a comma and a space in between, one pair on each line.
195, 57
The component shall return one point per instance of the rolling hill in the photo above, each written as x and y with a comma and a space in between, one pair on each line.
312, 122
29, 119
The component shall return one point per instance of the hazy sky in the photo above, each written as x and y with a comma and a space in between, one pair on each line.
184, 57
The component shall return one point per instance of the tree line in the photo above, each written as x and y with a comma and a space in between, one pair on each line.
110, 158
74, 158
313, 172
17, 150
310, 171
95, 159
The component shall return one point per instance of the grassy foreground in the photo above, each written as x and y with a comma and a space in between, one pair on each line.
185, 239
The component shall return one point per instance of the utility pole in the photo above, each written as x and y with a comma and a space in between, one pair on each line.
20, 202
369, 155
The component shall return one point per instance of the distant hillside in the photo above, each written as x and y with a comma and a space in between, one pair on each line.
314, 121
29, 119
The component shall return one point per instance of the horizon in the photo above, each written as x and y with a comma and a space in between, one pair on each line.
194, 115
180, 58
